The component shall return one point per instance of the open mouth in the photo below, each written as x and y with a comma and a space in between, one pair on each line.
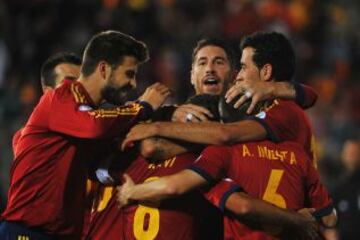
211, 81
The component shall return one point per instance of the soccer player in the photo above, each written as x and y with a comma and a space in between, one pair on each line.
266, 57
208, 79
66, 131
53, 71
214, 76
174, 219
171, 219
281, 174
60, 66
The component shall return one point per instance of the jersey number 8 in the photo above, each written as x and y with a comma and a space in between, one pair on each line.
152, 214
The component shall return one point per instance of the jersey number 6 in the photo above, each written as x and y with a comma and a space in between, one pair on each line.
270, 194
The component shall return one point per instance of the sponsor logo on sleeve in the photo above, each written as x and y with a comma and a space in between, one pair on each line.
261, 115
85, 108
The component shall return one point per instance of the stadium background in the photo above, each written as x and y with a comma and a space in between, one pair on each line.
324, 33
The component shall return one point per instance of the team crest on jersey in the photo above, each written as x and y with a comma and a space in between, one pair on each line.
84, 108
261, 115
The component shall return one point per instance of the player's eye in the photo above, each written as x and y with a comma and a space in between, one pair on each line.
220, 61
201, 62
130, 74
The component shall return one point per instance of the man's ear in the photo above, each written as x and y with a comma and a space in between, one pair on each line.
191, 76
104, 69
266, 72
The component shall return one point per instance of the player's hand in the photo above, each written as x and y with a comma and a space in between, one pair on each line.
124, 191
307, 212
308, 225
191, 113
139, 132
155, 95
256, 90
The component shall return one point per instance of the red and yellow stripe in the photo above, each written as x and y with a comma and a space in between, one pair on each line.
79, 98
115, 112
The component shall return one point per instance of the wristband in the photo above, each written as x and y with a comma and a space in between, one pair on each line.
318, 214
148, 109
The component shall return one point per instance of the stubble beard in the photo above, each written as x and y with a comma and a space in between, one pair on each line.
116, 95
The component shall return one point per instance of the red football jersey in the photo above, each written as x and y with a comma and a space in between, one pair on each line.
48, 174
16, 139
278, 173
286, 121
219, 193
140, 221
305, 96
169, 219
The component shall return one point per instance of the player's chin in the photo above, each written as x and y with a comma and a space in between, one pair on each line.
212, 90
118, 97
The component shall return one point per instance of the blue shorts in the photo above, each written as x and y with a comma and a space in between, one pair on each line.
17, 231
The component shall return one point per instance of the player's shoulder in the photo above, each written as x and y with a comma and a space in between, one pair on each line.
285, 108
72, 91
281, 104
289, 105
16, 138
66, 88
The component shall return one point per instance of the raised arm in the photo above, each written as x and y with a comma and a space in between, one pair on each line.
258, 91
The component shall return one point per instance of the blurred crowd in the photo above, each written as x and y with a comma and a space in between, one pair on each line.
324, 33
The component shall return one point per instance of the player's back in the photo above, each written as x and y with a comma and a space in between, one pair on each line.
170, 219
275, 173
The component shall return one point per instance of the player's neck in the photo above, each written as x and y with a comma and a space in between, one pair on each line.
93, 87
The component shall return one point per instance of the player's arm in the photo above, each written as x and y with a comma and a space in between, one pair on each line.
70, 116
164, 187
202, 133
256, 213
319, 198
267, 217
303, 95
101, 123
178, 183
330, 220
